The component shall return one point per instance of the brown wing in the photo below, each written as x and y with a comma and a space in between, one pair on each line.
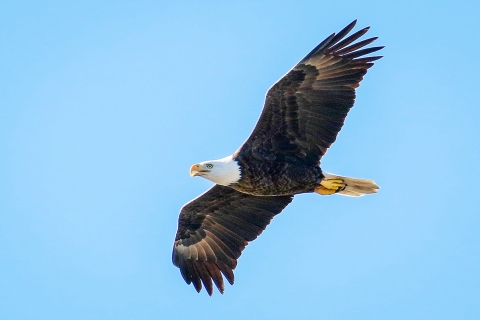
305, 110
213, 230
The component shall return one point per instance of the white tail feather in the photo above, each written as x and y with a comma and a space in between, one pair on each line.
354, 187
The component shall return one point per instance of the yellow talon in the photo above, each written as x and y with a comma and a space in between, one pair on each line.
330, 186
324, 191
335, 184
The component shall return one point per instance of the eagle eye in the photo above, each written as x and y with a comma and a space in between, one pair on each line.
209, 165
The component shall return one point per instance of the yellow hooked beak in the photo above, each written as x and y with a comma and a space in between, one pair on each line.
196, 170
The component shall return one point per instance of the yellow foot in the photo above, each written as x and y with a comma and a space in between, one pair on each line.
324, 191
335, 184
330, 186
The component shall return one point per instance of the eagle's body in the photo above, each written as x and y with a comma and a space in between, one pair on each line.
276, 177
303, 113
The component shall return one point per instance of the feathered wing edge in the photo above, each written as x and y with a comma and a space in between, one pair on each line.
213, 230
333, 46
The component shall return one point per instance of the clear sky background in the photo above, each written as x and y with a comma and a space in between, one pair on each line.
104, 107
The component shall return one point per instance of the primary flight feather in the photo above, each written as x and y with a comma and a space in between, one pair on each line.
302, 115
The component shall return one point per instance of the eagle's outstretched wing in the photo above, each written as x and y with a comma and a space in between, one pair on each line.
213, 230
306, 108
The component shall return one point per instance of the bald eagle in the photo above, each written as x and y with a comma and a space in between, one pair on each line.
302, 115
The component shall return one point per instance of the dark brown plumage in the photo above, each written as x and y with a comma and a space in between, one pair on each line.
214, 229
303, 113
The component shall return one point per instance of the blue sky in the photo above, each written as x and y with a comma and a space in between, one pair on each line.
104, 107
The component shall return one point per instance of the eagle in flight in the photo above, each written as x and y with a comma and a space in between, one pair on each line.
302, 115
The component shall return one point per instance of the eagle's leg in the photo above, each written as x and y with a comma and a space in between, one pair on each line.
330, 186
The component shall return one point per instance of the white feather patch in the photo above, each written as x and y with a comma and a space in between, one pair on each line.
224, 172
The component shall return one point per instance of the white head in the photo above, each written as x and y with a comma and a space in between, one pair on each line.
223, 171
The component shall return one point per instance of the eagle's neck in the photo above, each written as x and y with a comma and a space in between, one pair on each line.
226, 171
